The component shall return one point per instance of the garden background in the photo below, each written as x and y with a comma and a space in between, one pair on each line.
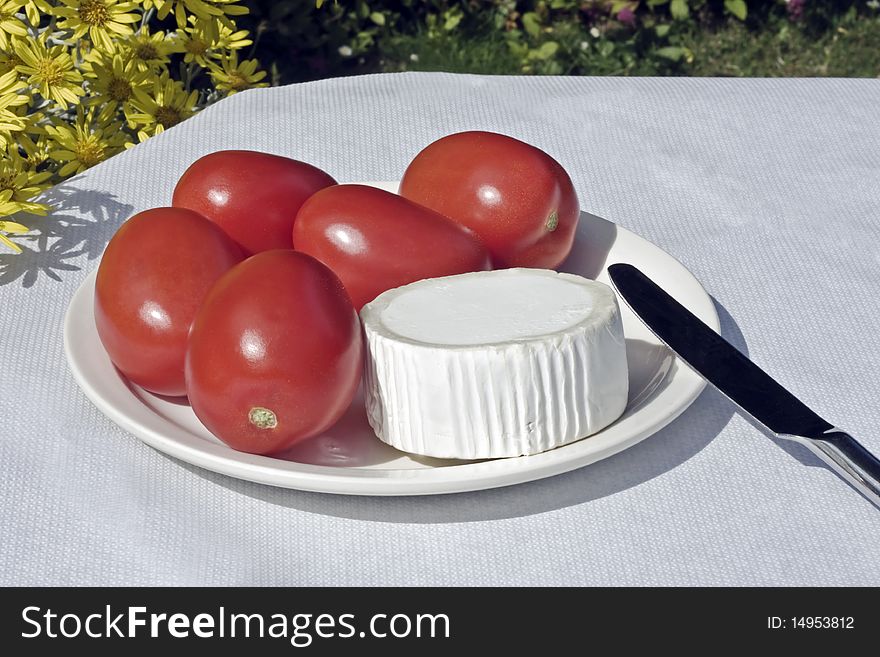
301, 41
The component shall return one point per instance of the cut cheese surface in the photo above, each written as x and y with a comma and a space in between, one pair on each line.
491, 364
481, 309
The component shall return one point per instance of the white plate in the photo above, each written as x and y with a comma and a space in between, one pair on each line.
349, 458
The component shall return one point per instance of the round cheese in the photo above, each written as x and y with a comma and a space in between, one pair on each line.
493, 364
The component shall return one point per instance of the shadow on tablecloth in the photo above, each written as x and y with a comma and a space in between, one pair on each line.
663, 451
80, 224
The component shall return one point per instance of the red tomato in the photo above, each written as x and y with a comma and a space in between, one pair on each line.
152, 278
274, 354
515, 197
375, 240
252, 196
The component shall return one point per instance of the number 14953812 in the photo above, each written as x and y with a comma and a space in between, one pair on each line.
811, 623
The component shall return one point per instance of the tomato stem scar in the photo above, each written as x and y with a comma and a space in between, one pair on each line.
552, 221
262, 418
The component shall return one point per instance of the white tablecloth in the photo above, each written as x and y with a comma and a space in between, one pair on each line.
768, 190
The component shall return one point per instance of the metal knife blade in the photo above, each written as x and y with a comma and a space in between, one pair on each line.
743, 382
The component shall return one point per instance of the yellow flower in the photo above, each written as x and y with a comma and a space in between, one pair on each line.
18, 184
201, 8
51, 71
85, 143
11, 97
10, 24
14, 117
11, 83
104, 20
149, 52
163, 106
36, 147
230, 76
112, 82
9, 60
33, 9
204, 36
7, 208
22, 180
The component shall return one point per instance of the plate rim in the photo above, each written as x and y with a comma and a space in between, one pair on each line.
469, 476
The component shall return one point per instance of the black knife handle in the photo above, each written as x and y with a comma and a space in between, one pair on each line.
848, 458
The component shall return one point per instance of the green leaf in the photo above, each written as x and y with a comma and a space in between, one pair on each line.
452, 21
517, 48
378, 18
679, 9
662, 30
657, 3
531, 23
671, 52
737, 8
606, 48
546, 50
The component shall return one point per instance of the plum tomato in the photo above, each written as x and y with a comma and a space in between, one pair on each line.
153, 276
375, 240
274, 353
253, 196
517, 199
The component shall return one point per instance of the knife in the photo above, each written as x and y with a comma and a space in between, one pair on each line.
744, 383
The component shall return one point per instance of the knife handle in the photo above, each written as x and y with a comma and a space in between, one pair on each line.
848, 458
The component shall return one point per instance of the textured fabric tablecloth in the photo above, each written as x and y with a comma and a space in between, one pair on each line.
768, 190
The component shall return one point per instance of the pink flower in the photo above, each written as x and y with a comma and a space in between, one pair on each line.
795, 9
627, 16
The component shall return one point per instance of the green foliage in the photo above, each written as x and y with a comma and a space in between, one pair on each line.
847, 45
737, 8
309, 39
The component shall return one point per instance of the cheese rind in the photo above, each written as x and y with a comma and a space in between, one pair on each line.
493, 364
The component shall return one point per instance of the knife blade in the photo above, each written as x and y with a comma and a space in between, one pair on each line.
743, 382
